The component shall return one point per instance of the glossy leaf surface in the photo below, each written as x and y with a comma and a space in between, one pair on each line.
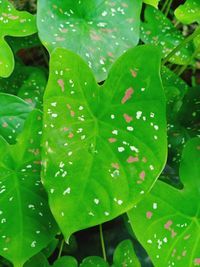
104, 146
27, 225
106, 28
170, 217
12, 23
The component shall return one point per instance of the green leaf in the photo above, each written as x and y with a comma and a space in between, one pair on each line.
189, 12
38, 260
66, 261
27, 225
26, 82
104, 146
159, 30
99, 31
124, 255
152, 2
13, 113
166, 221
12, 23
94, 261
48, 251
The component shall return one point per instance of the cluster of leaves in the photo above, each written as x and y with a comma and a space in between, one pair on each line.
83, 136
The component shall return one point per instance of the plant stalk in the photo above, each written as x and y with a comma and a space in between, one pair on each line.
61, 248
102, 242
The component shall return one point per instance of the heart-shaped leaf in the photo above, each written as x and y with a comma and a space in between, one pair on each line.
189, 12
159, 30
66, 261
124, 255
27, 225
94, 261
167, 220
104, 146
13, 113
99, 31
13, 23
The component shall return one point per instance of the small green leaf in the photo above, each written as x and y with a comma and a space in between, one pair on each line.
159, 30
189, 12
124, 255
38, 260
94, 261
99, 31
66, 261
27, 225
104, 146
13, 113
12, 23
167, 220
152, 2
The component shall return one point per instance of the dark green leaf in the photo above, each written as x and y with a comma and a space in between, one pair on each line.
99, 31
38, 260
104, 146
167, 220
27, 225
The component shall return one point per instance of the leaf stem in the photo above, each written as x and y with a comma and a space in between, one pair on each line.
102, 242
185, 41
164, 6
61, 248
184, 67
168, 7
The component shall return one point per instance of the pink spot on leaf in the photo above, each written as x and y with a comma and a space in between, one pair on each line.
72, 113
198, 147
115, 165
168, 224
133, 73
197, 261
112, 140
127, 118
127, 95
132, 159
173, 233
142, 175
61, 84
149, 214
5, 125
71, 135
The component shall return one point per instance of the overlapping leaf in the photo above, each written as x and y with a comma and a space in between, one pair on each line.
159, 30
188, 12
12, 23
99, 31
170, 217
13, 113
104, 146
152, 2
27, 225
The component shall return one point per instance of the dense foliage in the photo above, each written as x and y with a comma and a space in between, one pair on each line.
99, 133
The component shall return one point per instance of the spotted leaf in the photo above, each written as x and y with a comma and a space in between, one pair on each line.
13, 113
99, 31
104, 146
12, 23
189, 12
27, 225
170, 217
124, 255
159, 30
94, 261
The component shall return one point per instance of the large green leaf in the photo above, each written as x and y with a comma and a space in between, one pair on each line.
99, 31
104, 146
124, 255
189, 12
13, 23
27, 225
159, 30
13, 113
167, 220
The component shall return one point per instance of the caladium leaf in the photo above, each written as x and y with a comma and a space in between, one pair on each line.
99, 31
104, 146
159, 30
66, 261
94, 261
13, 113
26, 82
170, 217
189, 12
152, 2
27, 225
12, 23
124, 255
